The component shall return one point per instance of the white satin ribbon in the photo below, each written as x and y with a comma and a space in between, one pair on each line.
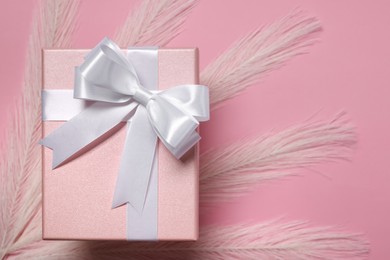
115, 92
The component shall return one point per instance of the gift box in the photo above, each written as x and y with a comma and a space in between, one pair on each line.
78, 193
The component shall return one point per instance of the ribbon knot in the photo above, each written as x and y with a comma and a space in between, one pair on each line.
142, 96
110, 79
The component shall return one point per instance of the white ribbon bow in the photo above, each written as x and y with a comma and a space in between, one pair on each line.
173, 115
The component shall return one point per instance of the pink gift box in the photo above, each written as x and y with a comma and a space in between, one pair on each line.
77, 196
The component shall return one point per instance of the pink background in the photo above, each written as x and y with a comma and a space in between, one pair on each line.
347, 70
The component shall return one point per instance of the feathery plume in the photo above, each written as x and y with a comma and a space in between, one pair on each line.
228, 172
260, 51
154, 22
268, 240
20, 170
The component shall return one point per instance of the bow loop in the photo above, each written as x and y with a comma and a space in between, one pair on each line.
193, 99
106, 75
171, 124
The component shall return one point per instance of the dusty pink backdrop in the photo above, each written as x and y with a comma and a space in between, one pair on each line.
347, 70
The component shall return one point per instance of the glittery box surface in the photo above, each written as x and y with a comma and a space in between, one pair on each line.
77, 196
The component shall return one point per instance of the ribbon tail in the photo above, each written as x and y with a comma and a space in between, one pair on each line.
137, 162
83, 129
